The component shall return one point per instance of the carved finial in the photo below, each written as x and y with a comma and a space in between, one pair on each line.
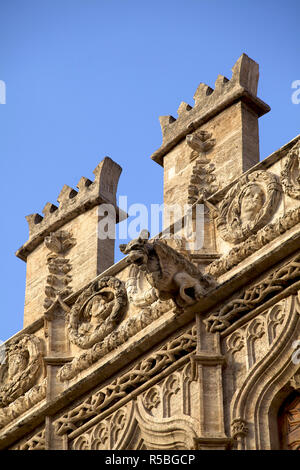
246, 72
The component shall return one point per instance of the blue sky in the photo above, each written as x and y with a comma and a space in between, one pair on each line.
89, 78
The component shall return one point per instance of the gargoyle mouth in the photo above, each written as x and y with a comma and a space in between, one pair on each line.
137, 257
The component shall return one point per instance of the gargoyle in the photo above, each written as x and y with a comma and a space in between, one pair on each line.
168, 271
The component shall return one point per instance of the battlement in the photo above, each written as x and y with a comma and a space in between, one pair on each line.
208, 103
73, 203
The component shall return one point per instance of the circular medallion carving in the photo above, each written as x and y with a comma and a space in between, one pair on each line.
290, 175
248, 206
97, 312
23, 360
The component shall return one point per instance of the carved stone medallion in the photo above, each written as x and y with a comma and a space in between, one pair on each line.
290, 175
21, 368
248, 206
97, 312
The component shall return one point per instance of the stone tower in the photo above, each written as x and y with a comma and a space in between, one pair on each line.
177, 346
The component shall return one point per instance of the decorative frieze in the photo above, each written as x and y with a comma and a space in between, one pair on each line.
252, 297
121, 387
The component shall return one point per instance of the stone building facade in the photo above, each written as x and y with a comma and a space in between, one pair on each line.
176, 346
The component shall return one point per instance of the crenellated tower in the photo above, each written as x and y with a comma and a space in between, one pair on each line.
64, 251
213, 143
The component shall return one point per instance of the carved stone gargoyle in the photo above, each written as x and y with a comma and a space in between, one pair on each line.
169, 272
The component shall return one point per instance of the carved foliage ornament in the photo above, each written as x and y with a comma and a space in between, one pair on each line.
255, 295
21, 369
248, 206
59, 267
97, 312
290, 175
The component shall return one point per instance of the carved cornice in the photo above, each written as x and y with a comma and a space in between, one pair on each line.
141, 374
274, 283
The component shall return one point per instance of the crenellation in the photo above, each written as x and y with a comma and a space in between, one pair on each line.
72, 203
180, 345
210, 102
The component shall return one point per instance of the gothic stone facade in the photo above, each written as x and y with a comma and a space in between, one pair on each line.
173, 347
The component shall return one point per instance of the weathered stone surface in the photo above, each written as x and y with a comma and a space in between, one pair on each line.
173, 347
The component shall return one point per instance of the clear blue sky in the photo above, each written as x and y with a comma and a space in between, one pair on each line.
89, 78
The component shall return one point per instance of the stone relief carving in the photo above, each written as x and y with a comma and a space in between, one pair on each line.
253, 397
152, 398
203, 180
120, 388
247, 345
59, 244
122, 333
295, 381
21, 369
274, 283
97, 312
248, 206
131, 428
290, 175
139, 291
37, 442
254, 243
169, 272
34, 395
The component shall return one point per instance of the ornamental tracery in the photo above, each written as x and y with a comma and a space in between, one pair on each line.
97, 312
290, 175
21, 368
248, 206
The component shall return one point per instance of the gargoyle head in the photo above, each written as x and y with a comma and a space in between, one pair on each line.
137, 249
